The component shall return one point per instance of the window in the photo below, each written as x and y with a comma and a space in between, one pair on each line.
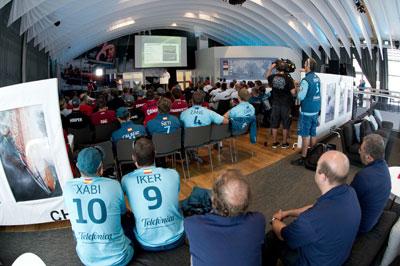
359, 74
394, 69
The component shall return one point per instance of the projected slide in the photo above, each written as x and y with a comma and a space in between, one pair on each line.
160, 51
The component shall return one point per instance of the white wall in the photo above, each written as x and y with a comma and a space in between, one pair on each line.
208, 60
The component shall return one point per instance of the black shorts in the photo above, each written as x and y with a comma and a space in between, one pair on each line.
281, 113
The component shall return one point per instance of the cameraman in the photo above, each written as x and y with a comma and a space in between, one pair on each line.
282, 93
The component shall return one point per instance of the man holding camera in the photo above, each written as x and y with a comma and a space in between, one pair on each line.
282, 93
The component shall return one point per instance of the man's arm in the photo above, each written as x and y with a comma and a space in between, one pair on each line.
295, 212
269, 71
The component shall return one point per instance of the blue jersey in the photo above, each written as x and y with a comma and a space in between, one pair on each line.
243, 109
164, 124
198, 116
153, 195
128, 130
95, 206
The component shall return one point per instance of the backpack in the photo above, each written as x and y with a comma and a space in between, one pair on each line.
314, 153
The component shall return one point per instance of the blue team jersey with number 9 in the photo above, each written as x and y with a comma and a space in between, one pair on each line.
95, 206
153, 195
198, 116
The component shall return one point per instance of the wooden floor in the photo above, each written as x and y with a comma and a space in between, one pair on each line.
251, 157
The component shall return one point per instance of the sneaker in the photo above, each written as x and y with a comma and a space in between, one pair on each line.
275, 145
285, 145
298, 162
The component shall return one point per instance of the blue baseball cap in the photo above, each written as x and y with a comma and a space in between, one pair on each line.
89, 160
122, 112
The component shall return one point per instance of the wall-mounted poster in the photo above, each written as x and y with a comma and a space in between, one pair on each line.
33, 159
342, 92
349, 99
330, 102
244, 68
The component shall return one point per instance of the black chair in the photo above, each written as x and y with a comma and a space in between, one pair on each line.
218, 134
108, 160
223, 106
194, 138
169, 144
124, 150
83, 137
104, 132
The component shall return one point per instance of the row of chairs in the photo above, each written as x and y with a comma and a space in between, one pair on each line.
173, 144
88, 135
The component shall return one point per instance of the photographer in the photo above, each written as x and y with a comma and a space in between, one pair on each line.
282, 93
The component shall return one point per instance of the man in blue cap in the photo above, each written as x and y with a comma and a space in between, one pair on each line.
128, 130
95, 205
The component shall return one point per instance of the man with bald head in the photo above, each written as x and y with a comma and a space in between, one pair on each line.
322, 233
229, 235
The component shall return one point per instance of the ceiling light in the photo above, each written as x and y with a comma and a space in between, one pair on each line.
121, 23
99, 72
205, 17
258, 2
189, 15
174, 24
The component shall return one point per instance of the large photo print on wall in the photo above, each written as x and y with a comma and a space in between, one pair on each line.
25, 154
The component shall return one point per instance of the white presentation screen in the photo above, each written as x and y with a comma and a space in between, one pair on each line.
160, 51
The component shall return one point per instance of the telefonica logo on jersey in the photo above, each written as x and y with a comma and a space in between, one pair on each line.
159, 221
94, 236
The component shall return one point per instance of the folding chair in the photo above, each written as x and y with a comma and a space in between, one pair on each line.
124, 150
194, 138
82, 137
104, 132
219, 133
169, 144
236, 134
108, 160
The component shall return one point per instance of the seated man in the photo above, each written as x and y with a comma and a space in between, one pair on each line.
128, 129
198, 116
243, 115
150, 107
229, 235
95, 205
163, 123
323, 233
103, 115
76, 119
179, 105
153, 195
372, 184
140, 101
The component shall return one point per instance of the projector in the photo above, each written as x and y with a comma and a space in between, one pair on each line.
235, 2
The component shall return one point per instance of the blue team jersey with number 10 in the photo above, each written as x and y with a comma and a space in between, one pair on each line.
153, 195
198, 116
95, 206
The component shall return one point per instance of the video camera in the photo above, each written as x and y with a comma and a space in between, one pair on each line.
285, 65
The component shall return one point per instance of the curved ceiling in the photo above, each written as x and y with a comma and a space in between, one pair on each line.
299, 24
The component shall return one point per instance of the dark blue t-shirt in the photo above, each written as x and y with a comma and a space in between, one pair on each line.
324, 234
164, 124
372, 185
217, 240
